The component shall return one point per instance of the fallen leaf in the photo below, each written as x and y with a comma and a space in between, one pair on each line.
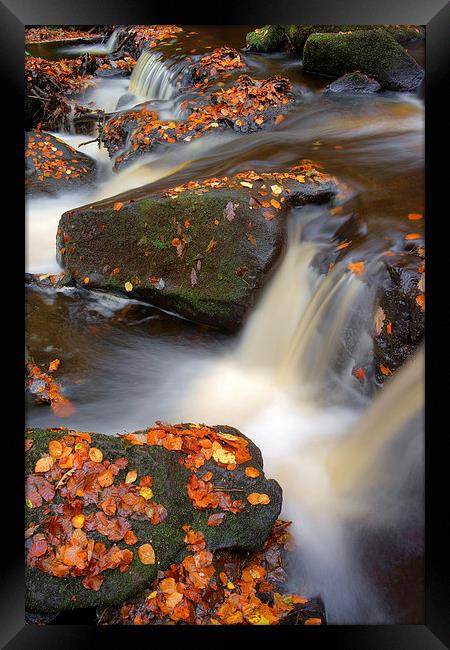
413, 235
420, 300
379, 320
384, 370
256, 498
415, 216
146, 554
54, 365
95, 455
117, 206
252, 472
212, 246
229, 213
131, 476
193, 277
44, 464
356, 267
78, 521
128, 286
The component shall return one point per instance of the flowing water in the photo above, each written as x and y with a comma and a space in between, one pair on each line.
350, 463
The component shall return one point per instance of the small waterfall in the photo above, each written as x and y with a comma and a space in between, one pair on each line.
151, 79
112, 42
349, 468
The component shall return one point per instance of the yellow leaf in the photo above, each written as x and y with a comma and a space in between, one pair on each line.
221, 455
146, 492
131, 476
95, 455
44, 464
128, 286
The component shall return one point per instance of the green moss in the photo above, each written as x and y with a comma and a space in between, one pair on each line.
373, 52
269, 38
247, 529
297, 35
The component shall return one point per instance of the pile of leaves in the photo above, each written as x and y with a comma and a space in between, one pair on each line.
66, 76
198, 444
46, 160
86, 498
225, 588
267, 190
40, 34
138, 38
44, 389
218, 63
126, 64
246, 106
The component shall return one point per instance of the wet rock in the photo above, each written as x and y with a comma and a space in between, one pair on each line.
103, 498
399, 321
53, 166
269, 38
212, 66
248, 105
354, 83
297, 35
203, 250
374, 53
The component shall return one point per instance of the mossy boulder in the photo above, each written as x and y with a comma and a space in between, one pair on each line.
353, 83
53, 166
297, 35
51, 525
203, 250
373, 52
270, 38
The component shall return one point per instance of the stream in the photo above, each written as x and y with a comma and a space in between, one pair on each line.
350, 464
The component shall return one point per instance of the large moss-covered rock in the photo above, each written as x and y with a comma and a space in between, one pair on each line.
269, 38
297, 35
373, 52
203, 250
53, 166
68, 496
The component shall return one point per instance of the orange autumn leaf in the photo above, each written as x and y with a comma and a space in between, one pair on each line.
130, 538
252, 472
385, 371
415, 216
78, 521
275, 204
53, 365
146, 554
95, 455
86, 280
117, 206
343, 245
216, 519
175, 242
359, 374
28, 444
413, 235
106, 478
313, 621
256, 498
420, 300
337, 210
44, 464
279, 119
356, 267
389, 328
55, 448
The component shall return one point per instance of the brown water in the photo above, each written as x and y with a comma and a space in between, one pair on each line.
125, 364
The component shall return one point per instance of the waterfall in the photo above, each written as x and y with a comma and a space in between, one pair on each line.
151, 79
347, 466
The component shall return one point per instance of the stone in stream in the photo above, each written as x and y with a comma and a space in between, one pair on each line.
399, 320
297, 35
373, 52
53, 166
105, 513
202, 250
246, 106
353, 83
269, 38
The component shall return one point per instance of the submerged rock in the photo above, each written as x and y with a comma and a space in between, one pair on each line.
53, 166
203, 250
353, 83
106, 513
269, 38
373, 52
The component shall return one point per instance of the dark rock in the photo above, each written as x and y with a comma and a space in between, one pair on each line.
247, 529
353, 83
269, 38
53, 166
374, 52
400, 313
203, 250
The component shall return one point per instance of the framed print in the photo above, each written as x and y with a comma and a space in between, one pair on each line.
226, 375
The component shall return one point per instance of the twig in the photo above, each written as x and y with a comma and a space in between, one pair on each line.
88, 142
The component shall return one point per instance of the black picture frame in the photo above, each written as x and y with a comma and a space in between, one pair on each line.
435, 15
